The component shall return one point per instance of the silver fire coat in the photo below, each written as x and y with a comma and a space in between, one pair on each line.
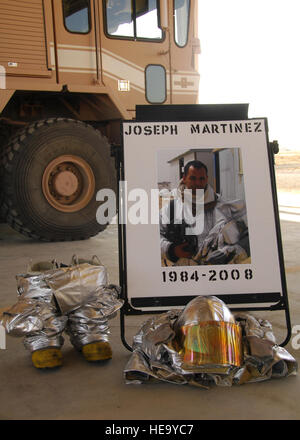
157, 357
224, 224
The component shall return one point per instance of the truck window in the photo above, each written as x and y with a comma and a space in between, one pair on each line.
134, 19
155, 84
77, 15
181, 21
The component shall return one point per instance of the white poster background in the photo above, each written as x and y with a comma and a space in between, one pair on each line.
145, 276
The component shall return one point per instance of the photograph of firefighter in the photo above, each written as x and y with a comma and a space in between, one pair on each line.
207, 227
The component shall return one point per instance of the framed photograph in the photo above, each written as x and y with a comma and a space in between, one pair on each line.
199, 214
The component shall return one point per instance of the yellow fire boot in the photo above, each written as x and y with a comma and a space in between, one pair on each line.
97, 351
47, 358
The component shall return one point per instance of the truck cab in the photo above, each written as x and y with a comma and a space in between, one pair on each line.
70, 72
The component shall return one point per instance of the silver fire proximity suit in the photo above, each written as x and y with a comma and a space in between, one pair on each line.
223, 239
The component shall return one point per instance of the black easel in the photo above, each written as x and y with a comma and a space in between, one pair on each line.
209, 112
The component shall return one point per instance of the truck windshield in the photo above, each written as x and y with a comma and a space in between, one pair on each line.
136, 19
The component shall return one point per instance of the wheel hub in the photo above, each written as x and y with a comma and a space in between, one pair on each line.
68, 183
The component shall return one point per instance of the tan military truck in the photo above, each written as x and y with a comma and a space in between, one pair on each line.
70, 71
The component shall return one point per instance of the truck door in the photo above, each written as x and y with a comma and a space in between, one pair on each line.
135, 52
74, 50
184, 47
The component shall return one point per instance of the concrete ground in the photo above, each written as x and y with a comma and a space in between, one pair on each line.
80, 390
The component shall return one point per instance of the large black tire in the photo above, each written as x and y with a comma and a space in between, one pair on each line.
26, 207
5, 134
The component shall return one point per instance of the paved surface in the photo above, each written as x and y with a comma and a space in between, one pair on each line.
80, 390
